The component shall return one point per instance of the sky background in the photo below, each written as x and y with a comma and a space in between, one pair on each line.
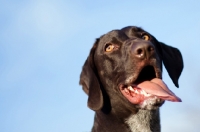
44, 43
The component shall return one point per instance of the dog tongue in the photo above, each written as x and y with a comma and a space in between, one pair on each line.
158, 88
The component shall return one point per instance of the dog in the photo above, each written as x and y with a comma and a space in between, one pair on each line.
122, 77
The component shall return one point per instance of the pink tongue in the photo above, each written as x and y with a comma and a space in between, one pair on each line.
158, 88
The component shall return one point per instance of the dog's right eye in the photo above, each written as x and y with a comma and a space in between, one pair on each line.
109, 47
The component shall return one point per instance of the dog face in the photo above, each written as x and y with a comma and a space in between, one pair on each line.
124, 71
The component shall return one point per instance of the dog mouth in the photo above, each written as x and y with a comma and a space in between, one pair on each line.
148, 88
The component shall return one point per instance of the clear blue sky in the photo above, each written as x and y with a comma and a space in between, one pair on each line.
44, 43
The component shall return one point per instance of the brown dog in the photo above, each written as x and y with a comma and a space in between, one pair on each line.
123, 79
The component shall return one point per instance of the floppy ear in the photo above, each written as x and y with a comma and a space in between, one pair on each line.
173, 62
90, 83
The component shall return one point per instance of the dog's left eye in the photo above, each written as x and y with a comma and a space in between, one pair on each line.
109, 47
145, 37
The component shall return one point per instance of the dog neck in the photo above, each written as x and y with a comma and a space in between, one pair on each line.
144, 121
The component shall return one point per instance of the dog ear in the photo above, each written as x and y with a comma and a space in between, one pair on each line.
173, 62
90, 83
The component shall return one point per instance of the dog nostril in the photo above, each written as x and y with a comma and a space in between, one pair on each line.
150, 49
143, 51
139, 52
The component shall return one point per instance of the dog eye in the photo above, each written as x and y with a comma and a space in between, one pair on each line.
145, 37
109, 47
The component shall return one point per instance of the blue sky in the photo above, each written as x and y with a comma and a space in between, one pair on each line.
44, 43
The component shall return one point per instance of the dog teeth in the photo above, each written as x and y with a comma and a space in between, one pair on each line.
145, 94
131, 88
138, 92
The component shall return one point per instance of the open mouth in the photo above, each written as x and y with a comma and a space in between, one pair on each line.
147, 86
146, 74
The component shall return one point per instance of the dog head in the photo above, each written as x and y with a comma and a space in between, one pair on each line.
124, 71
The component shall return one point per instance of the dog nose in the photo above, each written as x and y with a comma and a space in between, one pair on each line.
143, 50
